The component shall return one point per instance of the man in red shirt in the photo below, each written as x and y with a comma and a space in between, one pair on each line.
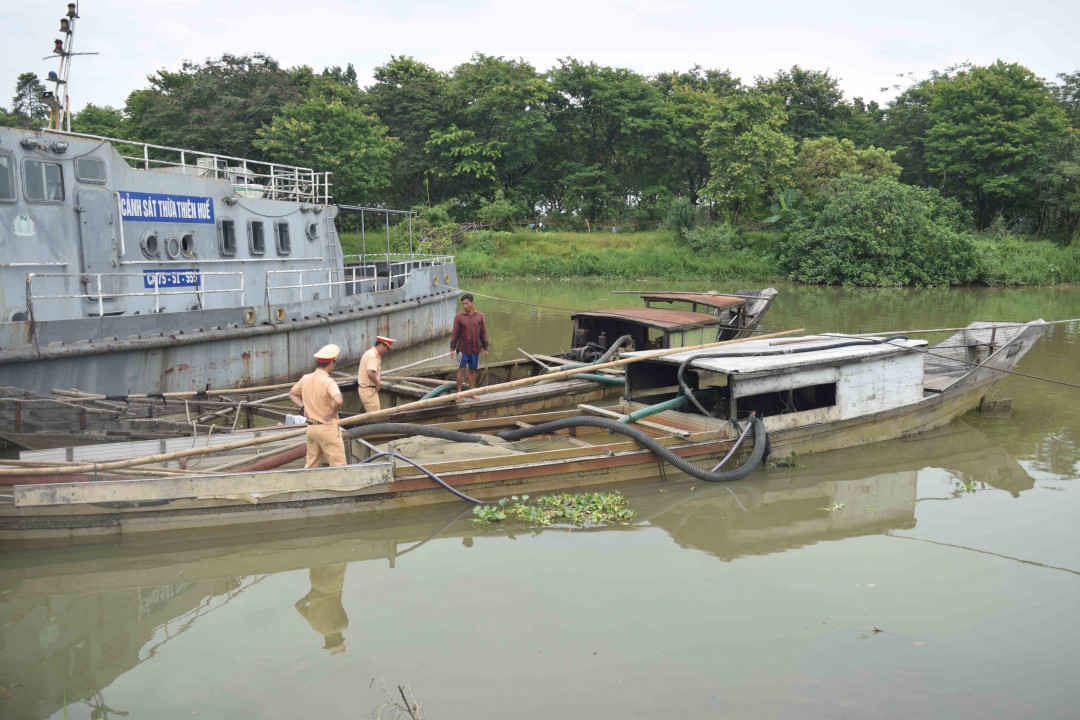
468, 339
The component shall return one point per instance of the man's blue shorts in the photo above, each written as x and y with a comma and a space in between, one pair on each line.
469, 360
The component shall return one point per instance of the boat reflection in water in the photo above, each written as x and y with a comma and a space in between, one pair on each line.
75, 620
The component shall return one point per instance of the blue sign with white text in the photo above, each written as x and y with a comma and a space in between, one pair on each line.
188, 277
158, 207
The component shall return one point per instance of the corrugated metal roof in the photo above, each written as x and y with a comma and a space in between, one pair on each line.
758, 356
654, 317
720, 302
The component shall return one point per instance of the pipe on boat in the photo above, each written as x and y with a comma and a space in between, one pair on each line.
649, 443
601, 378
672, 404
441, 390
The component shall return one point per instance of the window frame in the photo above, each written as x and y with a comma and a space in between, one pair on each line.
281, 231
92, 180
12, 175
227, 238
28, 186
261, 249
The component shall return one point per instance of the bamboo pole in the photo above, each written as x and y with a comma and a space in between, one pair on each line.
364, 418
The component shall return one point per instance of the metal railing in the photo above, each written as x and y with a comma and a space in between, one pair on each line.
355, 278
107, 287
249, 178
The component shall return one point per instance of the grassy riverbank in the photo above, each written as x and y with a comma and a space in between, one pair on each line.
742, 255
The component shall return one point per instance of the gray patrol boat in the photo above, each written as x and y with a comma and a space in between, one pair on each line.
127, 267
170, 270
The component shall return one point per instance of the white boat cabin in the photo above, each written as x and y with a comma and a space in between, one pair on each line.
791, 381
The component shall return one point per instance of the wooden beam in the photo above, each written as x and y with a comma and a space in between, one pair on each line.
254, 486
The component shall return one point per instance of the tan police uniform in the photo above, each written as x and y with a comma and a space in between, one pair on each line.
321, 399
371, 361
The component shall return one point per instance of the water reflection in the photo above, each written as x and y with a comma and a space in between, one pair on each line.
74, 622
322, 607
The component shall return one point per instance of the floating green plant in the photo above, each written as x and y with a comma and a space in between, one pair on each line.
581, 510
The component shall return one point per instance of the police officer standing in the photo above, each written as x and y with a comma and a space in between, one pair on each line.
369, 375
318, 394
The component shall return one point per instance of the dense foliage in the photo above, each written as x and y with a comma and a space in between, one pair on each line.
588, 147
865, 231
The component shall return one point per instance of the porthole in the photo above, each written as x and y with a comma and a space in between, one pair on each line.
150, 246
312, 231
172, 247
187, 245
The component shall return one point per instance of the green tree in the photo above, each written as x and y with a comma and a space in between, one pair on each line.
750, 156
329, 135
906, 125
878, 232
216, 106
1067, 92
988, 135
95, 120
613, 138
811, 99
409, 97
504, 104
28, 107
689, 102
823, 159
469, 161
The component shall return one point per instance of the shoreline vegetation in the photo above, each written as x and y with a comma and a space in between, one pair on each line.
997, 260
967, 177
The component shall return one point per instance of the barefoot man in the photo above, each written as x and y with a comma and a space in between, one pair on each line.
468, 339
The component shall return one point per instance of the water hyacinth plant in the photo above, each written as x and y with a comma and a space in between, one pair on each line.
581, 510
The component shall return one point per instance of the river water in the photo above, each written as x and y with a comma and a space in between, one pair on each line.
934, 577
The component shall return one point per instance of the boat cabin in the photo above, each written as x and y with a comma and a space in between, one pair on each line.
791, 381
701, 318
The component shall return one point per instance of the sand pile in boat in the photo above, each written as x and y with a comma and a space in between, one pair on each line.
425, 450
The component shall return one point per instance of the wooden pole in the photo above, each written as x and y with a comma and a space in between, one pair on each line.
365, 418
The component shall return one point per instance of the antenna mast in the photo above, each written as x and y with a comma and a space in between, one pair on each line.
59, 101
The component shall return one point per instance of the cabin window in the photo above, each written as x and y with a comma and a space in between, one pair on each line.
281, 237
90, 170
256, 237
7, 177
44, 181
227, 238
782, 402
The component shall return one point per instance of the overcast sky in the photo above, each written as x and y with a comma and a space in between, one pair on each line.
869, 51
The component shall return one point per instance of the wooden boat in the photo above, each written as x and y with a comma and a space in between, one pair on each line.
810, 394
64, 417
667, 320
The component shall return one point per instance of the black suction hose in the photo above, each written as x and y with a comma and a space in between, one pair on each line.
645, 440
650, 443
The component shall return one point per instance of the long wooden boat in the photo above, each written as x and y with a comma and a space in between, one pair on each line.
35, 421
809, 394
